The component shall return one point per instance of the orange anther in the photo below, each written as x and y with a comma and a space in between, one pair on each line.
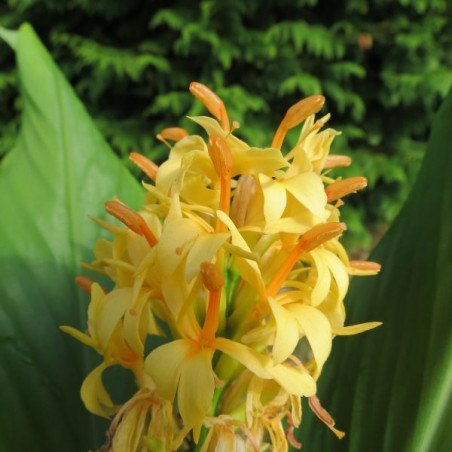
366, 266
320, 234
344, 187
212, 102
173, 133
337, 161
323, 415
147, 166
295, 115
133, 220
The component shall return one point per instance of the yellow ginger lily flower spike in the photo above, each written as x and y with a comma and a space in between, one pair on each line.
234, 263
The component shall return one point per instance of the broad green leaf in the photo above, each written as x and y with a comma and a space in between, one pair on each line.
391, 389
60, 171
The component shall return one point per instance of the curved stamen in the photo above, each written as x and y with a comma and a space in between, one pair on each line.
147, 166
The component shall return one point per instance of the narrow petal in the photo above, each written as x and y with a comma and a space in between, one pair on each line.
323, 282
294, 381
94, 395
249, 270
355, 329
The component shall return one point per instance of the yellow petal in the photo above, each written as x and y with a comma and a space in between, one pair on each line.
203, 250
82, 337
355, 329
287, 336
164, 365
308, 189
317, 329
196, 387
128, 436
94, 395
116, 303
294, 381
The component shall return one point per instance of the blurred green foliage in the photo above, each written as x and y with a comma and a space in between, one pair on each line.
383, 65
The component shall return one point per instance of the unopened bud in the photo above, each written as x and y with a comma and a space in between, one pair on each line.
212, 278
344, 187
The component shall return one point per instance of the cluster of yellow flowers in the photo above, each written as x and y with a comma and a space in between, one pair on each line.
234, 261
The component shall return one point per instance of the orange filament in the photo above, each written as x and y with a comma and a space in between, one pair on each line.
213, 281
366, 266
173, 133
147, 166
295, 115
337, 161
212, 102
221, 157
344, 187
133, 220
85, 283
311, 239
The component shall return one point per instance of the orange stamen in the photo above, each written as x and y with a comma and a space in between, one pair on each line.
311, 239
221, 157
295, 115
213, 281
344, 187
212, 102
85, 283
133, 220
147, 166
173, 133
337, 161
366, 266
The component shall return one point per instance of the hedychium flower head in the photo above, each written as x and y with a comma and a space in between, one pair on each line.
234, 260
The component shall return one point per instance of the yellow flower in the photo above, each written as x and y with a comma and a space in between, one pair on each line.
235, 261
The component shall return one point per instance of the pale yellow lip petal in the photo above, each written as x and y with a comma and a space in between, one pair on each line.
287, 336
338, 271
94, 395
164, 365
355, 329
317, 329
294, 381
196, 388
